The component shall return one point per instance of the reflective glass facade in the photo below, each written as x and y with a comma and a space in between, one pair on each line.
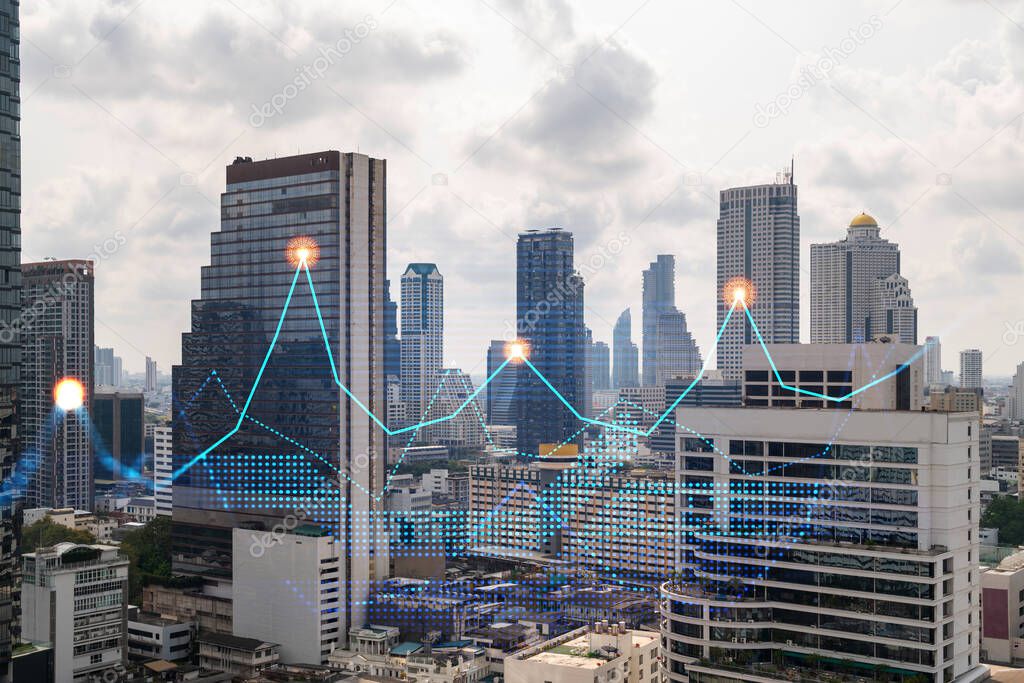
549, 317
302, 449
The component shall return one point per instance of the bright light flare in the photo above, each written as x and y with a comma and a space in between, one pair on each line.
303, 251
517, 350
739, 291
69, 394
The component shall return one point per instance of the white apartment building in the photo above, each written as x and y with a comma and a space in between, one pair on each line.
74, 597
815, 540
163, 470
758, 243
1015, 399
606, 653
970, 369
286, 590
932, 361
450, 388
843, 276
834, 370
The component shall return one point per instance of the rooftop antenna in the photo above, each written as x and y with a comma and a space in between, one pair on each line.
792, 169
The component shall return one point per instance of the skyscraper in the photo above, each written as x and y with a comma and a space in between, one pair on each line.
57, 343
659, 292
109, 369
759, 243
625, 355
600, 363
392, 347
970, 369
678, 354
422, 336
932, 360
1015, 399
549, 318
893, 313
303, 444
843, 276
10, 311
150, 385
501, 392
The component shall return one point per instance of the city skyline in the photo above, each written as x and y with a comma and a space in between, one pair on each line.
909, 196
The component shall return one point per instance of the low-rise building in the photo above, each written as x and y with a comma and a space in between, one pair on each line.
154, 637
1002, 611
245, 657
603, 654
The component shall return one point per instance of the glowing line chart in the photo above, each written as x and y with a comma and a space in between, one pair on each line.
303, 267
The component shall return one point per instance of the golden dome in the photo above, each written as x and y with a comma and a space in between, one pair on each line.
863, 220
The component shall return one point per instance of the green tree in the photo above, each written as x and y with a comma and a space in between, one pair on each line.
1007, 515
149, 551
46, 532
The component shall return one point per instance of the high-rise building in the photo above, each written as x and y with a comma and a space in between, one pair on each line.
466, 428
118, 420
1015, 400
422, 336
970, 369
758, 245
501, 392
843, 276
392, 346
893, 313
74, 597
109, 369
10, 312
659, 292
808, 547
678, 354
57, 344
302, 444
549, 319
600, 363
625, 355
932, 361
150, 385
163, 470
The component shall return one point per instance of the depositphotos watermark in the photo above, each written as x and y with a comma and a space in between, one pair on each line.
313, 71
812, 74
65, 286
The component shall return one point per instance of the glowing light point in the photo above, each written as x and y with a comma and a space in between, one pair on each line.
69, 394
303, 251
517, 350
739, 292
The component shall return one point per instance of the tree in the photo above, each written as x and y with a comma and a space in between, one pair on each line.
149, 551
1007, 515
46, 532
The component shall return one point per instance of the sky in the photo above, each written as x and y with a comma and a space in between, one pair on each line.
617, 121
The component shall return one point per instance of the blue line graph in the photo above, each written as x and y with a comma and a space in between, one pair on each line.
303, 267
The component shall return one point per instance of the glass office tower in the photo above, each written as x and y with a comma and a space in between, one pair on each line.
549, 317
298, 445
10, 308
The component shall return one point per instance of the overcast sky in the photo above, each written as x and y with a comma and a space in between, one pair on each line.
619, 121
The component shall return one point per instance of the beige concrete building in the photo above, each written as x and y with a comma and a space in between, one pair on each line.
606, 653
1002, 611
